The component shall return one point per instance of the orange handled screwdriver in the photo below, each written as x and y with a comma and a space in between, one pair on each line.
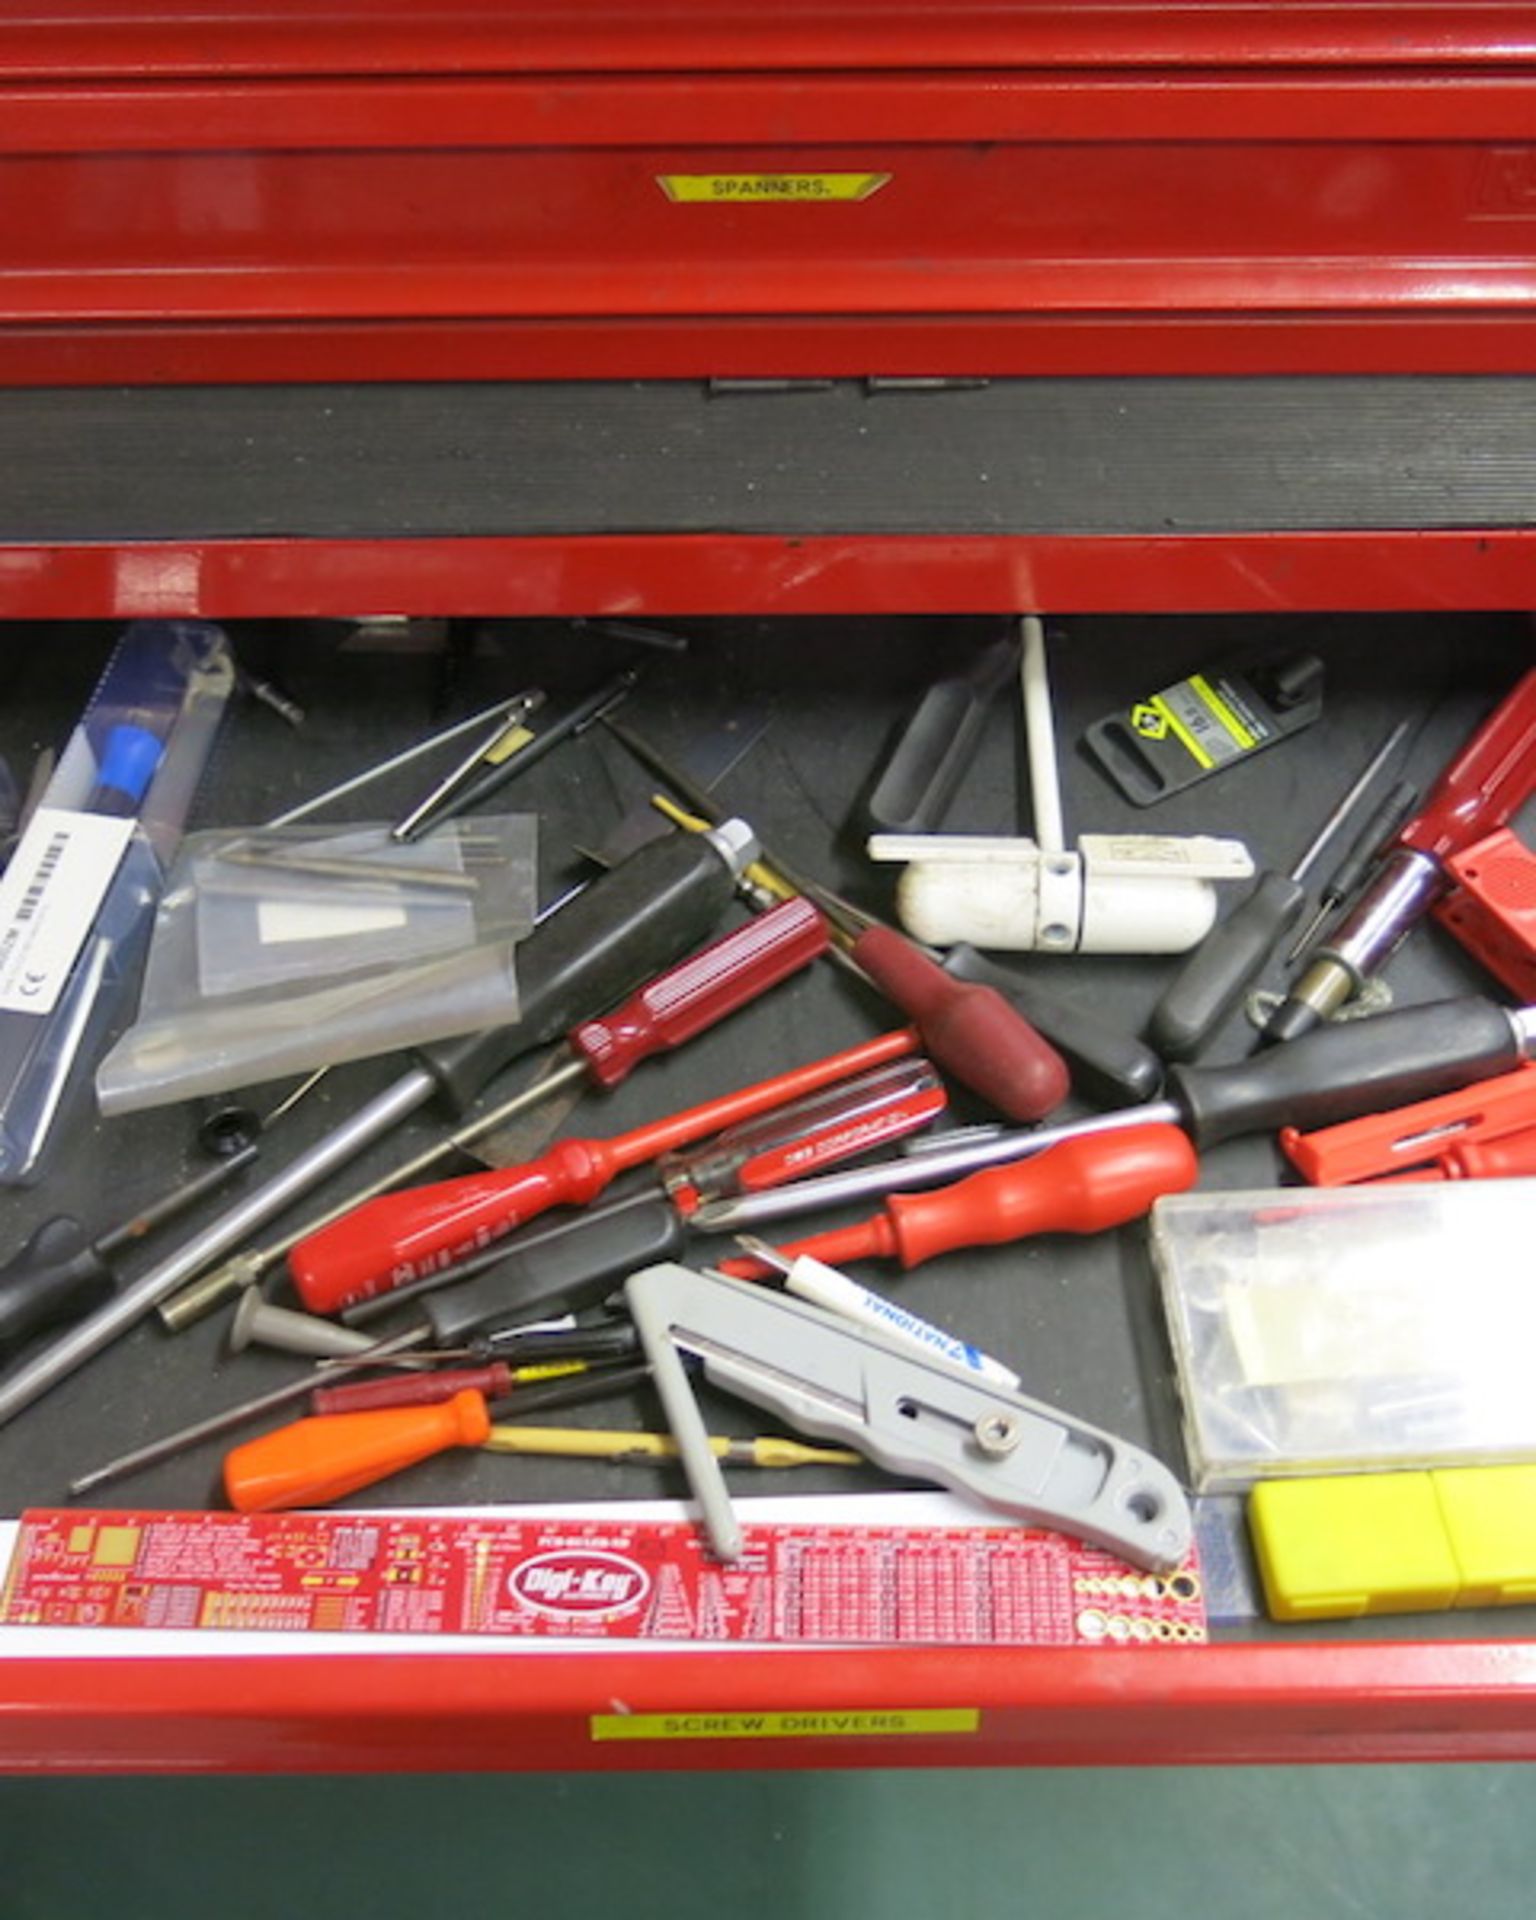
401, 1237
313, 1461
1083, 1186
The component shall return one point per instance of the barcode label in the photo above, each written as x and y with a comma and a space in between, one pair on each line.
49, 896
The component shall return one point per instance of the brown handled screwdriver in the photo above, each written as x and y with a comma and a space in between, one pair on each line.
1086, 1185
971, 1031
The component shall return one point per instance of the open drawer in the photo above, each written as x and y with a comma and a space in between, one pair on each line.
1079, 1318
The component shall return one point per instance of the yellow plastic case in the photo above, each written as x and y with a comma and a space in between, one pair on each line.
1371, 1543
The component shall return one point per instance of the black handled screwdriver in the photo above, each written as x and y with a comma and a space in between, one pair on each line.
613, 936
1373, 839
1230, 958
61, 1274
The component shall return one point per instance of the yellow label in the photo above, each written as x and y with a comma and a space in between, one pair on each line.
736, 189
1222, 711
512, 741
813, 1725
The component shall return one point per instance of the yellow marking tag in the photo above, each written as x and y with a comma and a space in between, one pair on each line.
856, 1722
738, 189
1149, 722
512, 741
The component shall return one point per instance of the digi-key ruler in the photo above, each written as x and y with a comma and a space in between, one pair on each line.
796, 1584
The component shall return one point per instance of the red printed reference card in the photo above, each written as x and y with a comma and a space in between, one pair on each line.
587, 1579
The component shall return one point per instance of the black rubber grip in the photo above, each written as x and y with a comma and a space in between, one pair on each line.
575, 1266
1109, 1066
1351, 1068
1227, 961
626, 927
57, 1276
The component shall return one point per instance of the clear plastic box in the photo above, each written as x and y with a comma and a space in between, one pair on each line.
1349, 1328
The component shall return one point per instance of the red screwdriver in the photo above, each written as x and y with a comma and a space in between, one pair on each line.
1083, 1186
685, 1000
400, 1237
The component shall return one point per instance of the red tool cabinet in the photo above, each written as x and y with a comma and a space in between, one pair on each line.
1076, 204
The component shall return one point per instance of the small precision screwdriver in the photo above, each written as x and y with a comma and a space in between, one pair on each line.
315, 1461
599, 1443
1086, 1185
1214, 978
1335, 1073
669, 1010
400, 1237
522, 751
59, 1274
544, 1396
1381, 828
613, 935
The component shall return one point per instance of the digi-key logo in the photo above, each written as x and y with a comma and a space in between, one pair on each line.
576, 1583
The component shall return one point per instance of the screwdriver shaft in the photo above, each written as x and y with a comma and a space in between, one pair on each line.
598, 1443
1351, 799
170, 1444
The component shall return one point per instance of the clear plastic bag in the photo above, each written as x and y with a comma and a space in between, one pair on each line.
278, 952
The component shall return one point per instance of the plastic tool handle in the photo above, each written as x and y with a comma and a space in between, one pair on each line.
1489, 779
574, 1266
1227, 961
426, 1389
701, 990
623, 929
1109, 1067
57, 1276
930, 759
399, 1237
1513, 1158
1359, 1066
314, 1461
971, 1031
1083, 1186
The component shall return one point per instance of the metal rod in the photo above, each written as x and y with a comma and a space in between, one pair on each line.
171, 1444
510, 723
382, 768
1352, 799
192, 1303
